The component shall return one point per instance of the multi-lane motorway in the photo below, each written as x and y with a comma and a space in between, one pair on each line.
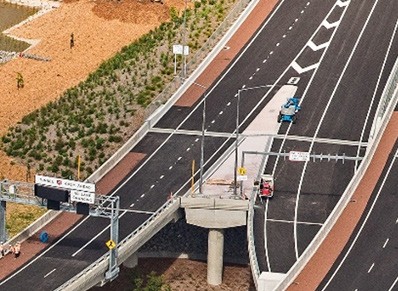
341, 50
369, 260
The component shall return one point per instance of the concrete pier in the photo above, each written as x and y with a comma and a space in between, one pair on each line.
216, 215
215, 255
131, 262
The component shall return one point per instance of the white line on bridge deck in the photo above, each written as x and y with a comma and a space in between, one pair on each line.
298, 222
49, 273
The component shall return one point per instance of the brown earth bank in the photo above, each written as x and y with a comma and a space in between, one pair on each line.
182, 275
100, 28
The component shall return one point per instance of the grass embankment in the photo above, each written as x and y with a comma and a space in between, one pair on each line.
93, 119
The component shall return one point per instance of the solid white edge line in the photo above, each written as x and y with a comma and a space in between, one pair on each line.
327, 107
49, 273
362, 225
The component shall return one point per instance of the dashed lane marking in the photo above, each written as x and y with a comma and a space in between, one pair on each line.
49, 273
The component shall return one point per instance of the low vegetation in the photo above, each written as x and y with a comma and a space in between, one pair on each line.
93, 119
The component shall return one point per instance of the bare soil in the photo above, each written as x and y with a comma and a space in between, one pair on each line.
182, 275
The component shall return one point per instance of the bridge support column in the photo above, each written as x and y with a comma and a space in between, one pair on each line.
131, 262
216, 215
3, 230
215, 256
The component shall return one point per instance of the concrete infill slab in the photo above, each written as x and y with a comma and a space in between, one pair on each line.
264, 123
214, 203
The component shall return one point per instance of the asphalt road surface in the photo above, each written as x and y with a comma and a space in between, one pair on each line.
343, 66
369, 260
342, 52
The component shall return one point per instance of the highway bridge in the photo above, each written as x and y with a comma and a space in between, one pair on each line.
339, 52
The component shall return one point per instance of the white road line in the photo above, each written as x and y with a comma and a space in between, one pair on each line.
327, 108
213, 121
374, 93
170, 167
264, 61
385, 244
301, 70
278, 44
343, 3
229, 103
196, 140
265, 236
95, 237
271, 52
371, 267
49, 273
132, 205
298, 222
396, 221
179, 158
161, 177
363, 224
393, 284
188, 149
221, 112
152, 186
315, 47
251, 77
329, 25
284, 35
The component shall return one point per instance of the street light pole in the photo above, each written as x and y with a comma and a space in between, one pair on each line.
236, 144
202, 143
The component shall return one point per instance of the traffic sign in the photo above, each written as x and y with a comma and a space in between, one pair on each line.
64, 184
296, 156
110, 244
81, 196
241, 178
242, 171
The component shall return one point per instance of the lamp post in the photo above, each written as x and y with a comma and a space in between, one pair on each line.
202, 143
237, 133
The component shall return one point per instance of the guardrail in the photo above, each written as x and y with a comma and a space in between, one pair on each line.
94, 273
389, 100
250, 242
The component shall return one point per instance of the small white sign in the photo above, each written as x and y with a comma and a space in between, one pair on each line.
241, 178
80, 196
296, 156
293, 81
177, 49
186, 50
64, 184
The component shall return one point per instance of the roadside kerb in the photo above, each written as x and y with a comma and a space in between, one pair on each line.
346, 197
